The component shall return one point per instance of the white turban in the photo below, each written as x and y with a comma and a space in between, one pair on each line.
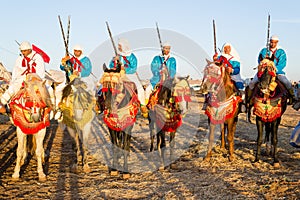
274, 37
166, 44
126, 51
77, 47
25, 45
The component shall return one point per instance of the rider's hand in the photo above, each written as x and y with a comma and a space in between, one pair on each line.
215, 57
116, 58
64, 60
229, 69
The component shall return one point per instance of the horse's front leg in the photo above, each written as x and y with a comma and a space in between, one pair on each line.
172, 144
230, 137
151, 120
76, 147
211, 137
275, 141
260, 127
84, 136
39, 152
127, 140
161, 144
21, 153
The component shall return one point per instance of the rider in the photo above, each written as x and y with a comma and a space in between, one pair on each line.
231, 59
163, 63
278, 56
28, 62
79, 65
128, 62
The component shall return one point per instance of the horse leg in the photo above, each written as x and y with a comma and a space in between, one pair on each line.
152, 128
275, 141
127, 139
223, 129
84, 135
210, 142
76, 148
21, 153
172, 144
268, 130
260, 127
230, 137
39, 152
161, 144
114, 141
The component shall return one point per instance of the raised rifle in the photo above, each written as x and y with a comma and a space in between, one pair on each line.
268, 38
162, 48
66, 43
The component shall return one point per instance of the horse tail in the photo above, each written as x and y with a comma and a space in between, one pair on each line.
31, 144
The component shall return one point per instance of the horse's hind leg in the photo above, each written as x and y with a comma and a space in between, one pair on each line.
230, 137
127, 139
76, 148
172, 144
152, 129
161, 144
39, 152
21, 153
275, 141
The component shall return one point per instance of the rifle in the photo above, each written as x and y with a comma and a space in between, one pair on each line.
111, 38
268, 39
162, 49
215, 40
66, 43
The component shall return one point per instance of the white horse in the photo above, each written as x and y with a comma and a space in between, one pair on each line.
30, 109
77, 106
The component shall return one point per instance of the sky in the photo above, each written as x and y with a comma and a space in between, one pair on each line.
241, 23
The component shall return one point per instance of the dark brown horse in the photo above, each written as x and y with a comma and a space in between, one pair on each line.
223, 106
121, 107
167, 106
269, 99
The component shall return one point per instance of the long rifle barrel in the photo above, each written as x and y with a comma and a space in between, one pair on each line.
268, 36
111, 38
215, 38
160, 42
63, 34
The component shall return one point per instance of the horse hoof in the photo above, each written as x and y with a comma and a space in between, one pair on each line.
276, 165
114, 173
173, 166
42, 178
74, 168
231, 158
86, 168
126, 176
206, 159
15, 177
161, 169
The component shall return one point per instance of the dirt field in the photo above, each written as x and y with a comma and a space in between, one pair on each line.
188, 178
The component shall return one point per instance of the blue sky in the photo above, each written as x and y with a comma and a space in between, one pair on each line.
241, 23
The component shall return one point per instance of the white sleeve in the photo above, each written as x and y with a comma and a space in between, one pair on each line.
40, 66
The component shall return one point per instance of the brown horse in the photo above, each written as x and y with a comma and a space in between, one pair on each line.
223, 106
269, 99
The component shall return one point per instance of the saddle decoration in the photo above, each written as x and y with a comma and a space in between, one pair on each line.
119, 119
219, 112
22, 107
167, 119
268, 111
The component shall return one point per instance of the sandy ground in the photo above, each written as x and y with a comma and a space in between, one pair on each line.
189, 177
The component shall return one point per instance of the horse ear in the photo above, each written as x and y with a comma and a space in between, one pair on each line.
208, 61
104, 67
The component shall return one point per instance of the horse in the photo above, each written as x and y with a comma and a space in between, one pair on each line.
120, 111
30, 108
269, 99
223, 106
77, 114
167, 105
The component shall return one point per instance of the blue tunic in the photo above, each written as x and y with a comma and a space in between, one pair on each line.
129, 62
86, 67
279, 59
156, 67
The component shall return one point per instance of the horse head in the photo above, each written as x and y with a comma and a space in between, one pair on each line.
266, 76
217, 81
36, 96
